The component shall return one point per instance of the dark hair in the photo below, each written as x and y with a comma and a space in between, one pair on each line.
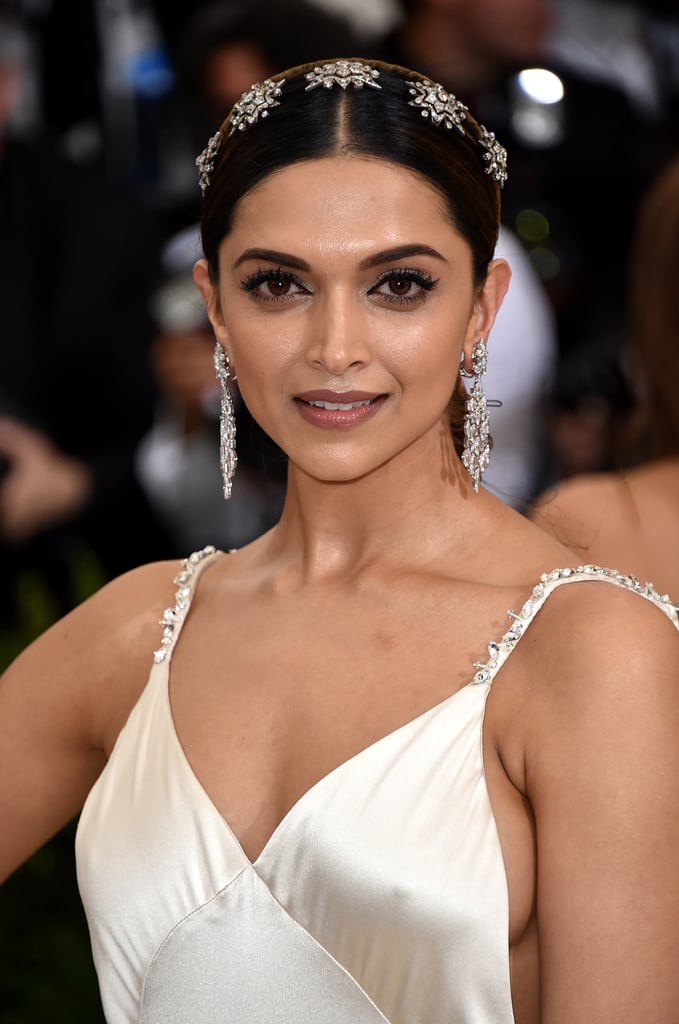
371, 123
653, 322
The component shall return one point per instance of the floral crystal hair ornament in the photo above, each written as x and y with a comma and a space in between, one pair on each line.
343, 73
442, 107
430, 98
434, 102
495, 156
253, 104
206, 161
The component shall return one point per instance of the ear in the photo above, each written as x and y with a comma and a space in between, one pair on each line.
486, 305
210, 294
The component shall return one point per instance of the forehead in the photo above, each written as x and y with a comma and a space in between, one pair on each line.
343, 194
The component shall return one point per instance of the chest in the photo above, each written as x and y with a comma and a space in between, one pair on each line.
284, 695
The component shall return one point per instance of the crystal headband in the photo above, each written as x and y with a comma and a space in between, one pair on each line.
432, 100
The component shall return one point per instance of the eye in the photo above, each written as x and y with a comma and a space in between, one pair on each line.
273, 285
403, 286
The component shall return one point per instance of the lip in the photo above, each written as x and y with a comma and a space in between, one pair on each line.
338, 419
337, 396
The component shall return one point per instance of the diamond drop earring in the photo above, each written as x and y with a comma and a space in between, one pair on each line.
228, 458
476, 452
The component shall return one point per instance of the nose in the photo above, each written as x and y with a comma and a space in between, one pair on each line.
338, 338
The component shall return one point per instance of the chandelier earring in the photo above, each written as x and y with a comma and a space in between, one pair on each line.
476, 451
228, 458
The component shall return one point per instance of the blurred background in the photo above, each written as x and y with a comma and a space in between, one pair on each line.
108, 407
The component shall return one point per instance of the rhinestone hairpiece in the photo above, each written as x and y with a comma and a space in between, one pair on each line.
441, 106
495, 155
255, 103
206, 161
432, 100
343, 73
444, 108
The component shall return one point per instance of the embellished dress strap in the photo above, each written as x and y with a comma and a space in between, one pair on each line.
499, 650
186, 581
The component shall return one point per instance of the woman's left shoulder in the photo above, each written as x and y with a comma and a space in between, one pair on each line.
603, 633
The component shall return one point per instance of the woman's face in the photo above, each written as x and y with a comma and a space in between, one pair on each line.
345, 300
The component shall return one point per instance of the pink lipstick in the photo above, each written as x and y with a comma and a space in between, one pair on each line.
338, 410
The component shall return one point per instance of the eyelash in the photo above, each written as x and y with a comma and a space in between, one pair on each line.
251, 283
425, 282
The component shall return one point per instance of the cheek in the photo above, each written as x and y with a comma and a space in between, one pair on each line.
424, 351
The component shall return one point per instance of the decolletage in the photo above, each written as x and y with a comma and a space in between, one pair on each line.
381, 896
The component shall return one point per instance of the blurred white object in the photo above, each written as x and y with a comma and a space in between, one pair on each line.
522, 355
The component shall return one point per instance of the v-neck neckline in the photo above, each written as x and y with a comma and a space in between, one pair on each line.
308, 794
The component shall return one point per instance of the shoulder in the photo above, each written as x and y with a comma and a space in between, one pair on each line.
97, 658
602, 619
592, 646
576, 509
599, 657
126, 617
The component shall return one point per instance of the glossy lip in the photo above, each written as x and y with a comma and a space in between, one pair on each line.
338, 419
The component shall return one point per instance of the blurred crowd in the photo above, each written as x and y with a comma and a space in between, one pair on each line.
108, 406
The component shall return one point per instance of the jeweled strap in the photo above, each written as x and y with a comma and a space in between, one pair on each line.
499, 651
185, 581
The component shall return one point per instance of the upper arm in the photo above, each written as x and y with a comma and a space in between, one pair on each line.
602, 775
62, 702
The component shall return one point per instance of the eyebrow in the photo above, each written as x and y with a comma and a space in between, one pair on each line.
400, 252
385, 256
271, 256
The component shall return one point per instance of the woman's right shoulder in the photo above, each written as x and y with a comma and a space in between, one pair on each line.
98, 657
124, 619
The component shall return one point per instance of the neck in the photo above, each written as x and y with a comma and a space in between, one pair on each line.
338, 530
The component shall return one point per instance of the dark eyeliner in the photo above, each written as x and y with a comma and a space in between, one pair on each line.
416, 276
252, 281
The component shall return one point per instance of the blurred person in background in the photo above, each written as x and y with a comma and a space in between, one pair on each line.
77, 259
582, 155
631, 518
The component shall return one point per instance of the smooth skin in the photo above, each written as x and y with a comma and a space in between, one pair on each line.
370, 601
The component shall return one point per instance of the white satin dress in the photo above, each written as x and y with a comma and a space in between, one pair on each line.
381, 896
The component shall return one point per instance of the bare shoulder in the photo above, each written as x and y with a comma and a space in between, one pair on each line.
97, 657
600, 661
577, 509
591, 628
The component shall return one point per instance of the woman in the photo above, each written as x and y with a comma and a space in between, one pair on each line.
317, 817
629, 519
